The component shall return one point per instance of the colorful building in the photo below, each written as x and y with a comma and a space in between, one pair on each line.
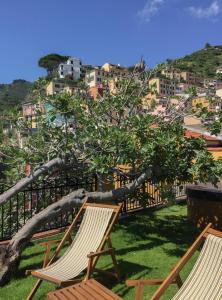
70, 69
58, 86
205, 101
214, 143
96, 77
30, 111
115, 70
163, 86
182, 76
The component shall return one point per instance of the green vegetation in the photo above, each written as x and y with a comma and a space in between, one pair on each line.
14, 93
147, 253
203, 62
51, 61
106, 138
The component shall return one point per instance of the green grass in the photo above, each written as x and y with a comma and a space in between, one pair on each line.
147, 246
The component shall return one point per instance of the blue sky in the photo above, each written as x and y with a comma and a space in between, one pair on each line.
99, 31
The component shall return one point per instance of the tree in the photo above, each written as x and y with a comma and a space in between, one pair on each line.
219, 76
51, 61
102, 136
207, 45
192, 90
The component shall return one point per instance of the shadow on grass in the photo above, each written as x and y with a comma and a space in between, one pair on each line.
127, 270
157, 230
167, 229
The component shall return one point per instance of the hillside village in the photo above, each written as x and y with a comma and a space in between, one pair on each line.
111, 150
169, 83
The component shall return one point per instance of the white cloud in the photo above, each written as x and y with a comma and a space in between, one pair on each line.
150, 9
206, 12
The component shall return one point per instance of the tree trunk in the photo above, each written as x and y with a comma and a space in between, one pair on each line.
19, 186
10, 254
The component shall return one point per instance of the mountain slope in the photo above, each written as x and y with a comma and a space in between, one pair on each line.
204, 61
14, 93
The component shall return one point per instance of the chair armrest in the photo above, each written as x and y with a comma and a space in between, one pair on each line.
48, 246
98, 253
144, 282
45, 244
28, 272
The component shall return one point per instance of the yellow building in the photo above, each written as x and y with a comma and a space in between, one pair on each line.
96, 77
172, 73
115, 70
214, 105
202, 100
191, 120
113, 85
56, 86
191, 78
163, 86
182, 76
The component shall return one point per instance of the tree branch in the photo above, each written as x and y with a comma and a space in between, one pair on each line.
20, 185
10, 255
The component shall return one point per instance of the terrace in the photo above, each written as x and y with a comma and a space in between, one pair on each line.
148, 244
149, 239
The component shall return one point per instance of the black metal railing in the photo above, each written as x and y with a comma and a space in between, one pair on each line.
20, 208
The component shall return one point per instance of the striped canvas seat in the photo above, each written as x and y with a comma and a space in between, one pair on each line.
88, 239
205, 280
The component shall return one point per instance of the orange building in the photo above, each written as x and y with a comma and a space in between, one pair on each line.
96, 91
214, 143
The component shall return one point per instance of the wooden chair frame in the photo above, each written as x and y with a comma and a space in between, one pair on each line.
174, 276
93, 256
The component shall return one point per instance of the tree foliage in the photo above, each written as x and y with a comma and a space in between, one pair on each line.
14, 93
51, 61
104, 136
113, 132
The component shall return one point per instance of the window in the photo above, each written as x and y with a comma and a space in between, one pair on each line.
71, 62
62, 73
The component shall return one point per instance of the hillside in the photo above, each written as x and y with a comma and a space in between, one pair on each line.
204, 61
14, 93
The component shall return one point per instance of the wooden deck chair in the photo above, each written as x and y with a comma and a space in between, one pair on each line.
85, 250
205, 279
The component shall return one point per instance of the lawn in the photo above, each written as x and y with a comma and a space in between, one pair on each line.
148, 244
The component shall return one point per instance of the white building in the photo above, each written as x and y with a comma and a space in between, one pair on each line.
219, 70
70, 69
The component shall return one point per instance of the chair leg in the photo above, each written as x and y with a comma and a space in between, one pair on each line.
89, 269
113, 256
115, 265
139, 292
34, 290
179, 281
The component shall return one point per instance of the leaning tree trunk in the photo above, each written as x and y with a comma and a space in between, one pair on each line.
20, 185
10, 255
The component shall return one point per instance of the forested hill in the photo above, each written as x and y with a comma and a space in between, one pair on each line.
204, 61
14, 93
